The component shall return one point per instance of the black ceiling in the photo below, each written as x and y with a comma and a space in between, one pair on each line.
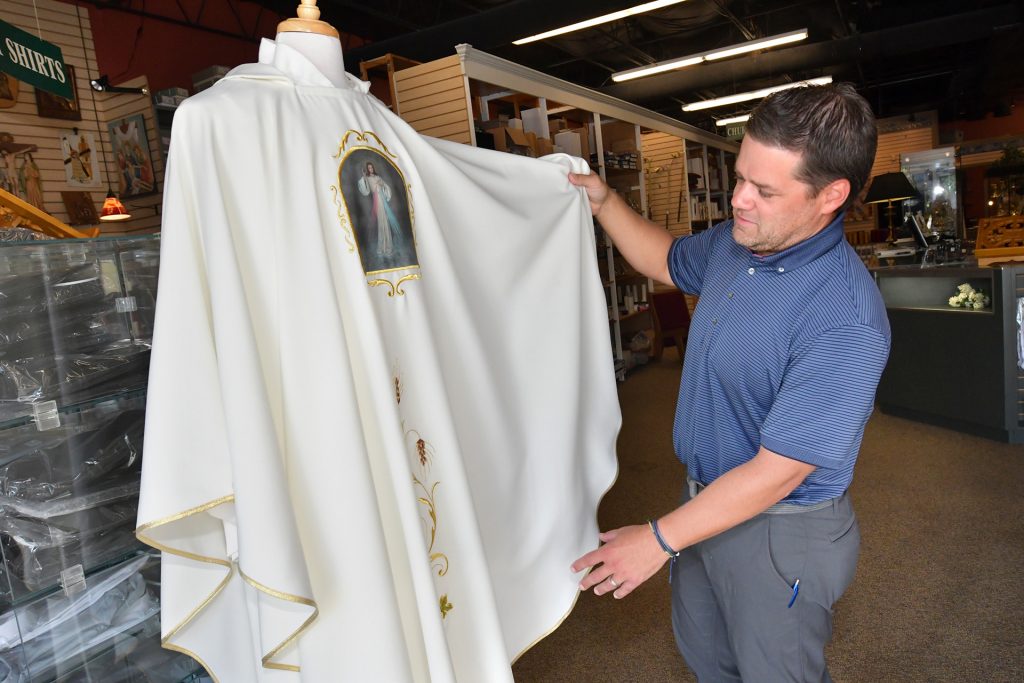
961, 58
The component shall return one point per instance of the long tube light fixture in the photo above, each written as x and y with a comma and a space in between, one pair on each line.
730, 51
596, 21
732, 119
758, 44
753, 94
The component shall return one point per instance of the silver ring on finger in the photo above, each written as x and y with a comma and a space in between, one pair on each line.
611, 580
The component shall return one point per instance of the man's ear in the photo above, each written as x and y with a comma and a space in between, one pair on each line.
834, 195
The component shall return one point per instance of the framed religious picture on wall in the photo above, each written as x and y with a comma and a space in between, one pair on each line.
81, 160
53, 107
9, 86
81, 210
131, 156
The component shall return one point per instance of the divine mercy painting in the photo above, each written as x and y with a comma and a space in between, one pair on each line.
377, 201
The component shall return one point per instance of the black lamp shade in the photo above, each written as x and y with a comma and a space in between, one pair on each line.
890, 187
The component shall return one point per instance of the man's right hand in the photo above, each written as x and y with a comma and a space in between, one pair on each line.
598, 191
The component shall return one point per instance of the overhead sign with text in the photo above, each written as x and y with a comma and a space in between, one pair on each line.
33, 61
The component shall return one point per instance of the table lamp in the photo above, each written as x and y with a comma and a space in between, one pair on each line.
890, 187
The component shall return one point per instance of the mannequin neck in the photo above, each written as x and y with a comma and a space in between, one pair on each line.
323, 51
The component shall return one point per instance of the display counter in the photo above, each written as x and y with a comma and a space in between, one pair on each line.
955, 367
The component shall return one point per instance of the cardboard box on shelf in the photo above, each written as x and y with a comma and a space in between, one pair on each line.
534, 122
557, 125
515, 123
574, 142
544, 147
621, 146
492, 124
570, 141
512, 140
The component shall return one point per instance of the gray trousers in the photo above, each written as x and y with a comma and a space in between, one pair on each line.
731, 595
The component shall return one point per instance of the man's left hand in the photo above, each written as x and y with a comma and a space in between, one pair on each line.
629, 556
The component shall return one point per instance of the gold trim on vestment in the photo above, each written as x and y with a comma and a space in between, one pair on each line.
267, 658
568, 612
178, 648
141, 535
393, 287
343, 217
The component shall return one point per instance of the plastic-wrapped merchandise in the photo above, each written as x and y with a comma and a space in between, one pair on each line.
59, 634
38, 551
69, 496
57, 289
139, 660
77, 465
71, 377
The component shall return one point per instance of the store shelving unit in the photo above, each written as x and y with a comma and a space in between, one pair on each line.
79, 595
464, 98
711, 178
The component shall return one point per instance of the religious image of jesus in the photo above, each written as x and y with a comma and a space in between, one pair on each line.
379, 192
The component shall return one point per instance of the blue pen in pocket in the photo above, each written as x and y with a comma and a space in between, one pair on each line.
796, 591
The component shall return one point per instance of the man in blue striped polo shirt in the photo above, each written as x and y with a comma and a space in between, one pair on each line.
785, 349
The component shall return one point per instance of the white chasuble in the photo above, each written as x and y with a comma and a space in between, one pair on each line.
382, 408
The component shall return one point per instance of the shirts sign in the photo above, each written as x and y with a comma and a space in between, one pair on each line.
33, 61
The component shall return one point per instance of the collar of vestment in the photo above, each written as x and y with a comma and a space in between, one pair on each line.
282, 63
802, 253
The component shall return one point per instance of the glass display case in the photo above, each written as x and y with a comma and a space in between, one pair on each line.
933, 174
79, 595
956, 365
1004, 190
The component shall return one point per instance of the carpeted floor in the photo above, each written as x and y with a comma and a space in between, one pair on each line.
939, 590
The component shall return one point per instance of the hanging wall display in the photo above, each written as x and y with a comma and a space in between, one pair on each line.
131, 155
9, 86
56, 107
81, 162
81, 210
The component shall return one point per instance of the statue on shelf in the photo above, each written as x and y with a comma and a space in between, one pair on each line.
31, 180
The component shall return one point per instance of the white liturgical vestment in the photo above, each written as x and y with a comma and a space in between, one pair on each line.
382, 408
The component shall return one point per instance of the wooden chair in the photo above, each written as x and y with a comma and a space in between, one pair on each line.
671, 322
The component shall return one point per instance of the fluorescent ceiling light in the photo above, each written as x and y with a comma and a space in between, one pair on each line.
681, 62
732, 119
759, 44
596, 21
752, 95
668, 65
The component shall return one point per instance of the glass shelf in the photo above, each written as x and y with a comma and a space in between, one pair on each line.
106, 630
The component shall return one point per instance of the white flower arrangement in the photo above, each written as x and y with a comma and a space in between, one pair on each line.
969, 297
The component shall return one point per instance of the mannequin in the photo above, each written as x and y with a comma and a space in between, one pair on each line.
316, 40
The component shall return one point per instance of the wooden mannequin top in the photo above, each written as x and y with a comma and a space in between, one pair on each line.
316, 40
308, 21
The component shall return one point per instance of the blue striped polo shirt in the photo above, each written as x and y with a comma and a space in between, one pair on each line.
784, 351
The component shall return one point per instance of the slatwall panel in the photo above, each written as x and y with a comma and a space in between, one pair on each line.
665, 166
887, 158
68, 27
145, 210
432, 98
664, 160
980, 158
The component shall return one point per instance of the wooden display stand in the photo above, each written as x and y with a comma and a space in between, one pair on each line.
388, 64
15, 212
1000, 239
